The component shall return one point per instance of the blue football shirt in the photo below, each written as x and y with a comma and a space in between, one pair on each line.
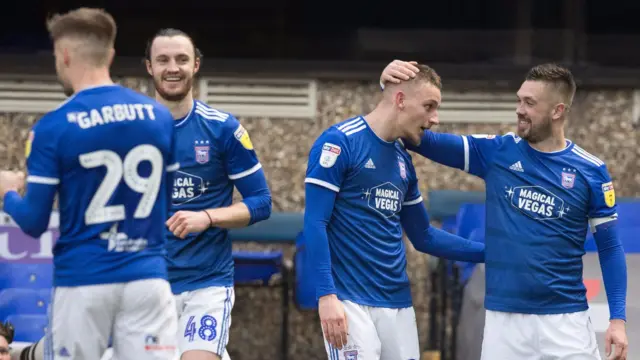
108, 150
538, 209
214, 150
373, 179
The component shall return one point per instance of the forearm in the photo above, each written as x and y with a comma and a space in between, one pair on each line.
31, 213
235, 216
446, 149
319, 206
614, 268
254, 207
427, 239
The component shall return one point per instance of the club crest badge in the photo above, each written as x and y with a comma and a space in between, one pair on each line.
568, 180
403, 168
202, 150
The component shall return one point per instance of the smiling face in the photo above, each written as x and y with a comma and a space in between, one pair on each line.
544, 99
536, 107
172, 63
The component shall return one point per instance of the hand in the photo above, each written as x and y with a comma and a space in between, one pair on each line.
11, 181
399, 70
183, 223
333, 320
617, 336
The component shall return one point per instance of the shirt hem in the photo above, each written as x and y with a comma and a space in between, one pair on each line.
536, 311
380, 304
70, 282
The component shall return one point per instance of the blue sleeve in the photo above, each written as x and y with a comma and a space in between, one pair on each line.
319, 201
256, 195
328, 160
614, 267
604, 225
472, 153
240, 158
427, 239
43, 165
31, 213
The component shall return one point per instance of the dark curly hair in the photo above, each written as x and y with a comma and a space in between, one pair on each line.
7, 331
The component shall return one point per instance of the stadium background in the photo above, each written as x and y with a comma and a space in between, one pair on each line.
482, 48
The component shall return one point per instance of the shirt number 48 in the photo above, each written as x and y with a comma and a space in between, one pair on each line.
207, 330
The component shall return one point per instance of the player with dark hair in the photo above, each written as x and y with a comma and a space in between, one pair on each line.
216, 155
361, 192
543, 193
108, 153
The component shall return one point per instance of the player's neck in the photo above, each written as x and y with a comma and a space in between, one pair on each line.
381, 122
179, 109
89, 78
551, 144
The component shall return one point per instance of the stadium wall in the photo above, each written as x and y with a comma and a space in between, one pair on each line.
601, 123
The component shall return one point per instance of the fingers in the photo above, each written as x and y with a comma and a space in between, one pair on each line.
621, 349
335, 331
607, 345
343, 332
172, 219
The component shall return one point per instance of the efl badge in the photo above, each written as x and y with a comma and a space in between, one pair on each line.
403, 168
609, 194
568, 179
330, 153
351, 355
243, 136
27, 146
202, 154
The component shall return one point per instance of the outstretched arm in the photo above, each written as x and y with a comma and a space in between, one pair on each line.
32, 213
427, 239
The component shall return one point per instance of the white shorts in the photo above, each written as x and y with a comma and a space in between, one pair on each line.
532, 337
139, 316
204, 319
378, 334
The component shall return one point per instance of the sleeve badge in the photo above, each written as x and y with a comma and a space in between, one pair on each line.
243, 136
609, 194
330, 153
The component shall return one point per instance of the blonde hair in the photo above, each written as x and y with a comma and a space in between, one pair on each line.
94, 28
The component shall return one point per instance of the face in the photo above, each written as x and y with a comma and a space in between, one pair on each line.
4, 348
537, 108
63, 59
173, 66
418, 108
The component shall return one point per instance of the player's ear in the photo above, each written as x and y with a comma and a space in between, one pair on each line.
558, 111
66, 57
196, 65
147, 63
399, 99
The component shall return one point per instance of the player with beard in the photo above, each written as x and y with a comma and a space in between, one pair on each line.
215, 154
543, 192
